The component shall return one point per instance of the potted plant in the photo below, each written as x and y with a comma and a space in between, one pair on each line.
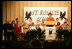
35, 34
62, 33
59, 32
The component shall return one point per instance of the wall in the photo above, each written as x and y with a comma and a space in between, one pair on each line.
15, 9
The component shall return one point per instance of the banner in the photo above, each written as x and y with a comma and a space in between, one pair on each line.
39, 13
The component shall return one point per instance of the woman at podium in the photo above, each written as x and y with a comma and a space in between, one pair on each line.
50, 17
50, 20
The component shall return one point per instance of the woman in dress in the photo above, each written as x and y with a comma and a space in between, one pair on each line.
17, 30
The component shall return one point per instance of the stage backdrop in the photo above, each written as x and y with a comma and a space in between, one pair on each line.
15, 9
39, 13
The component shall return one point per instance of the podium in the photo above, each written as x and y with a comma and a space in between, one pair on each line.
50, 32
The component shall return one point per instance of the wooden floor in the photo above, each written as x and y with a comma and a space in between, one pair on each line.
35, 44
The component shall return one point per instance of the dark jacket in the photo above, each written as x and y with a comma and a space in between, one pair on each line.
7, 27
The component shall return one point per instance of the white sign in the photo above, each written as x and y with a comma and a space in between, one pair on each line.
50, 33
39, 13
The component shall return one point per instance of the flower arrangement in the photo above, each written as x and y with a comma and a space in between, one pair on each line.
59, 31
35, 33
62, 33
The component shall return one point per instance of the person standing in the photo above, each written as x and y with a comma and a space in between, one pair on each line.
50, 17
30, 22
43, 22
13, 32
57, 21
66, 20
17, 20
50, 20
13, 23
17, 29
8, 28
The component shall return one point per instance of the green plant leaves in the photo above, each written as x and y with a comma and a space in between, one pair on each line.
61, 31
33, 33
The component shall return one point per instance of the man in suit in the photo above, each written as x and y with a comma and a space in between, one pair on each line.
8, 29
